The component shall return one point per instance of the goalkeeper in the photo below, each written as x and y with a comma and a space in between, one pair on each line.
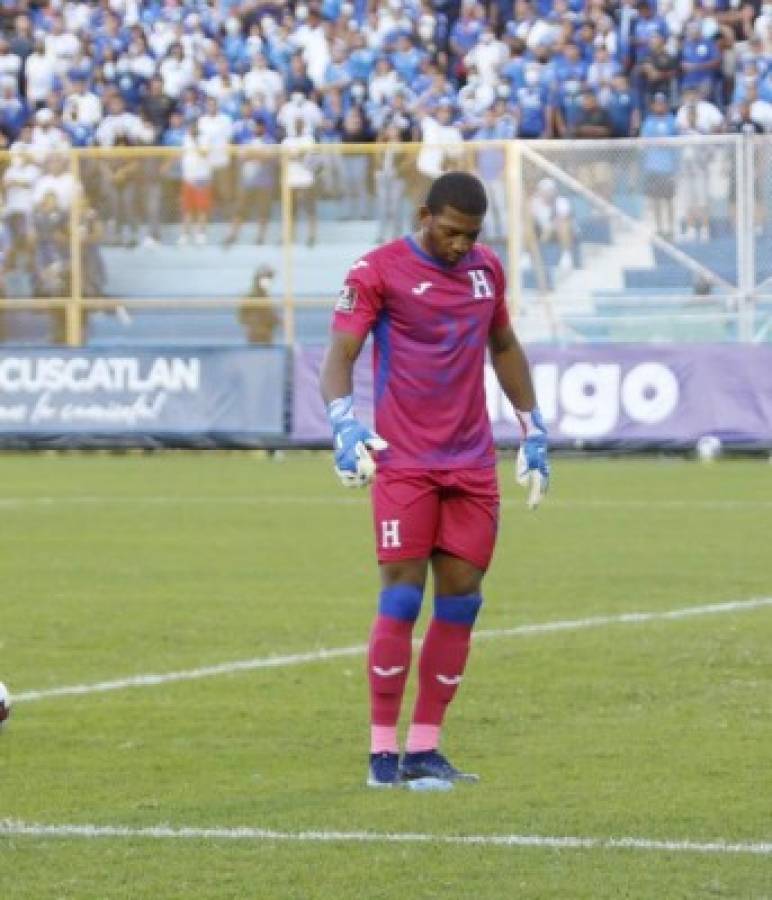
434, 302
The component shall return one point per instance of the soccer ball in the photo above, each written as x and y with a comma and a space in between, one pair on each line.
708, 448
5, 703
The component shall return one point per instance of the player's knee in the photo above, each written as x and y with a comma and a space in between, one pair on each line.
457, 609
401, 601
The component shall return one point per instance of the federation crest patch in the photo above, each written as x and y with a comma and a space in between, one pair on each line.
347, 299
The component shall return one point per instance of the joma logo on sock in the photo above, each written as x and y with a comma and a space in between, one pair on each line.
451, 680
388, 673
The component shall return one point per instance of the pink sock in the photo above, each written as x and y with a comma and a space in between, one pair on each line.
443, 659
388, 664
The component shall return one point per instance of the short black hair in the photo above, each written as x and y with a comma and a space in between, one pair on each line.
461, 190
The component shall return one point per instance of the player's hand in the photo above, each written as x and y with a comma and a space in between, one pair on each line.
533, 466
353, 445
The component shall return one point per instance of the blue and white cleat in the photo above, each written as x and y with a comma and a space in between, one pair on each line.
432, 764
384, 770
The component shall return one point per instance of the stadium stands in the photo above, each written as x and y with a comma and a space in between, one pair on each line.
214, 81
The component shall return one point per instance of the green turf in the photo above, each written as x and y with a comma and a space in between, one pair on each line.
114, 566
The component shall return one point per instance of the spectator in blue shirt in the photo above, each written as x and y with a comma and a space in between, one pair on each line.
533, 105
361, 59
567, 103
700, 61
13, 111
660, 165
497, 125
569, 66
623, 108
406, 59
466, 31
513, 71
644, 27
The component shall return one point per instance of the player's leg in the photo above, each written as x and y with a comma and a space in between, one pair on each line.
465, 541
405, 511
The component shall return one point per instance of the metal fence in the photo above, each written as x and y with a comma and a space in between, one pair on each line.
626, 240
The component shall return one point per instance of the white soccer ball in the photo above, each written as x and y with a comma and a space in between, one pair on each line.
708, 448
5, 703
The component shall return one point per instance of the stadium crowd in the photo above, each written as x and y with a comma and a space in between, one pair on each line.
209, 75
121, 71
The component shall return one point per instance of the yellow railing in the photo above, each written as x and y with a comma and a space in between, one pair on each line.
70, 252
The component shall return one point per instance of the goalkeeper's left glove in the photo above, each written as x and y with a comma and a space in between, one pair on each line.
352, 444
533, 465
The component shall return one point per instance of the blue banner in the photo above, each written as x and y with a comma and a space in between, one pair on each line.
166, 395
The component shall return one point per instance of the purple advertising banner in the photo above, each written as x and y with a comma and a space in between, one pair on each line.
605, 394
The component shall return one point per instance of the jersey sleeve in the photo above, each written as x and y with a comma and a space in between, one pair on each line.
500, 312
360, 299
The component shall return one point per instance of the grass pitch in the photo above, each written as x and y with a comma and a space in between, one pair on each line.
660, 730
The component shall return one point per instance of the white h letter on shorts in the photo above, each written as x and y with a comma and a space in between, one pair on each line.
482, 290
390, 533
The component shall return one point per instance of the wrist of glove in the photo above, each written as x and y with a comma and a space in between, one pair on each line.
533, 468
353, 444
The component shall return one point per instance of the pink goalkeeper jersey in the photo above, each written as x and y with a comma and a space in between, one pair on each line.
430, 324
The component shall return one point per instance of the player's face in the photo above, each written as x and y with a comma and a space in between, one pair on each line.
450, 234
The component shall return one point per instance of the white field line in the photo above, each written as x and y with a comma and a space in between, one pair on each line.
15, 503
13, 828
273, 662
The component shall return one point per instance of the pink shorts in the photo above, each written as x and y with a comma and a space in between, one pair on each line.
416, 512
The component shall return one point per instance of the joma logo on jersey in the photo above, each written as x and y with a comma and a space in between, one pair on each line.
480, 284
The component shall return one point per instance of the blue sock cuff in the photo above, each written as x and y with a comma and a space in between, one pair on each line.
401, 601
460, 610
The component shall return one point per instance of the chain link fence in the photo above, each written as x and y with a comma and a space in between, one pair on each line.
657, 239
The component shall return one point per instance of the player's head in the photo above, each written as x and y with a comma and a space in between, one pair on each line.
452, 216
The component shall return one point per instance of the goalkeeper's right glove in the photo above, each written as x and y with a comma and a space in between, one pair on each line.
352, 443
533, 465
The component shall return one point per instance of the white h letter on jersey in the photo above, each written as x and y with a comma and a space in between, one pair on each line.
390, 533
482, 290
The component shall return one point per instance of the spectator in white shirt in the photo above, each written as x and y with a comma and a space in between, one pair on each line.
301, 179
311, 37
762, 27
441, 141
39, 73
47, 137
216, 129
760, 110
81, 105
225, 84
264, 81
299, 116
384, 82
119, 122
57, 180
61, 45
487, 56
708, 118
196, 199
18, 184
176, 71
10, 63
138, 60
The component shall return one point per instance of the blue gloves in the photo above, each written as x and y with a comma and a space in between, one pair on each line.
533, 465
352, 443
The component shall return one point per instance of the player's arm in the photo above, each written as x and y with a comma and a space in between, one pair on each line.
337, 375
514, 375
353, 442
